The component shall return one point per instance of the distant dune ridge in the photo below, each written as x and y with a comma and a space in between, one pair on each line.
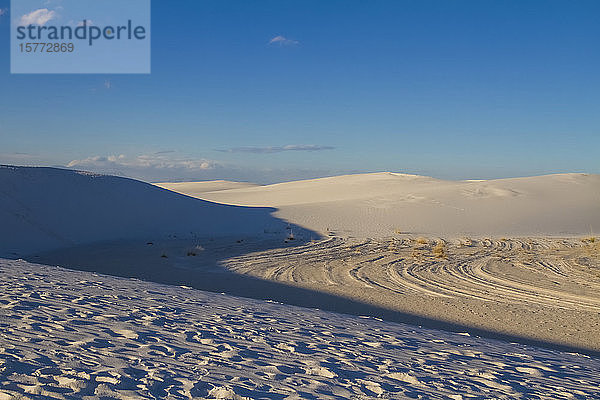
379, 204
196, 188
47, 208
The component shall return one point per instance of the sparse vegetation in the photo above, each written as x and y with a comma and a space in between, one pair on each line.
193, 252
416, 253
290, 236
439, 250
592, 246
420, 245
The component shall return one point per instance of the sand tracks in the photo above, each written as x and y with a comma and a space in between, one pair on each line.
513, 271
551, 277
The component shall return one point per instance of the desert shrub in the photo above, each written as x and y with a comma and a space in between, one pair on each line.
422, 240
439, 250
193, 252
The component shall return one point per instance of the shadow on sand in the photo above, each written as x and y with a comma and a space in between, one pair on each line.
213, 278
46, 209
43, 209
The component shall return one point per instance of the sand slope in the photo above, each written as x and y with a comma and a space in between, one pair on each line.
542, 291
196, 188
539, 289
376, 205
48, 208
78, 335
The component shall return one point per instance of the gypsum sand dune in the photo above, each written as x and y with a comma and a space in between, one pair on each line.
542, 291
378, 204
196, 188
535, 288
540, 288
79, 335
49, 208
80, 208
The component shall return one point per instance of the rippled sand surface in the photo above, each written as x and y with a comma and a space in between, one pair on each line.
540, 288
79, 335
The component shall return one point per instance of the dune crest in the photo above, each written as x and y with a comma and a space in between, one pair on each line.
48, 208
379, 204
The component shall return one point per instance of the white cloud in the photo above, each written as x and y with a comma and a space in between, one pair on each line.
88, 22
283, 41
146, 161
149, 167
38, 17
3, 11
165, 166
18, 158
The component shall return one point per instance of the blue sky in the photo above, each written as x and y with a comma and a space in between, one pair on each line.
452, 89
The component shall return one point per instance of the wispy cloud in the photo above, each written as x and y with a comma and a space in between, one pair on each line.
154, 161
165, 166
38, 17
150, 167
283, 41
3, 11
17, 158
106, 85
278, 149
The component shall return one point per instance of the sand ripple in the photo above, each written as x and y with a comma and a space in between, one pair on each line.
543, 288
77, 335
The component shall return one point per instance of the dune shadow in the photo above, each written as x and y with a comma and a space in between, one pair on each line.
127, 228
43, 209
214, 278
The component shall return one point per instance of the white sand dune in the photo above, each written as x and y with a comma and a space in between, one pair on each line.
378, 204
511, 248
78, 335
48, 208
543, 291
68, 334
548, 288
196, 188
